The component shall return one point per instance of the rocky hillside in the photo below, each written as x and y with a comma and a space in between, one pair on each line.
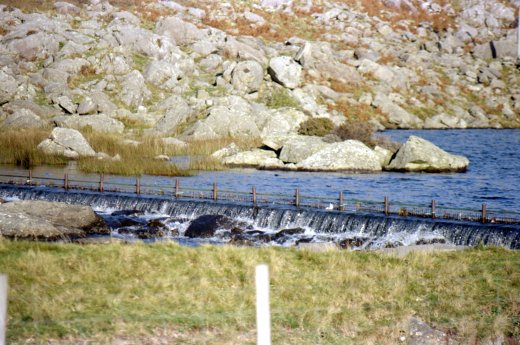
199, 70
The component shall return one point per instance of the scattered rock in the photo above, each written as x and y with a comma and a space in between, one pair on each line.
421, 334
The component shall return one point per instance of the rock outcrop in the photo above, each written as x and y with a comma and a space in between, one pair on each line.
418, 154
198, 76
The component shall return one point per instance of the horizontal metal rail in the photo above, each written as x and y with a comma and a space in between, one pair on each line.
340, 203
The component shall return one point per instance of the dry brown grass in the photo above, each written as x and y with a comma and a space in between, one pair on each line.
357, 130
87, 70
19, 147
278, 28
356, 112
135, 160
396, 15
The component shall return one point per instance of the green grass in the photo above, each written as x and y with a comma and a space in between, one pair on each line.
280, 98
206, 294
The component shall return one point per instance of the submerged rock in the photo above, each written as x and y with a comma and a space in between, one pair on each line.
418, 154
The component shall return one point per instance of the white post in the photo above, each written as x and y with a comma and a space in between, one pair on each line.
263, 316
3, 308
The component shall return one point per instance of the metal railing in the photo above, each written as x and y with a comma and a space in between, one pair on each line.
340, 203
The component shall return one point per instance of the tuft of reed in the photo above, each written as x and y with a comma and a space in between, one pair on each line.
76, 294
135, 160
18, 147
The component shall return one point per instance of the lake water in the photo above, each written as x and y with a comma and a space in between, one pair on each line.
493, 176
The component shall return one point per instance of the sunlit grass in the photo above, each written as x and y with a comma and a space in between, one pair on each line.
18, 147
134, 159
339, 297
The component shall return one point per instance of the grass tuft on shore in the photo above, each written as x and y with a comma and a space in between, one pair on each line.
135, 160
102, 292
18, 147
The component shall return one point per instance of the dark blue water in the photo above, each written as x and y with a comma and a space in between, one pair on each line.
493, 176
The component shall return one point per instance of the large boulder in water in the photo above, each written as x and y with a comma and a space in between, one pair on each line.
48, 220
418, 154
207, 225
349, 155
300, 147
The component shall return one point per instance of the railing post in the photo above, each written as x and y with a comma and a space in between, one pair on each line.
177, 187
340, 206
484, 213
253, 191
137, 185
3, 308
433, 208
66, 181
29, 180
102, 182
297, 198
215, 191
387, 206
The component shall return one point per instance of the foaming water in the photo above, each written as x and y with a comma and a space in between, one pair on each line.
266, 226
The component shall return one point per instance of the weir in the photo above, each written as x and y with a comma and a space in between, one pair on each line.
278, 217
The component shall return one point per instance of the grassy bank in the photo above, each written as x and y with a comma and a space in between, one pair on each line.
206, 295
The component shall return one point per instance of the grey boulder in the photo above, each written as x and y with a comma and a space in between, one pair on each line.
395, 113
23, 119
350, 155
252, 158
300, 147
180, 31
178, 111
97, 123
66, 142
247, 76
48, 220
285, 71
418, 154
224, 121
